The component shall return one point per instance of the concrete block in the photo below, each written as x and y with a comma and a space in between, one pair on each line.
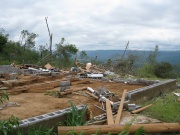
65, 83
11, 76
62, 89
131, 107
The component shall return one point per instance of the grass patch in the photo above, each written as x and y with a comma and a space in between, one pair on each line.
165, 108
75, 117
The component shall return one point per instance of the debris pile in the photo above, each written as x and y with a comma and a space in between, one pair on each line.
108, 102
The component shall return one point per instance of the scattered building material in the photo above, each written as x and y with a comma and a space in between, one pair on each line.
64, 85
100, 122
101, 97
138, 119
85, 81
8, 104
11, 76
72, 90
94, 75
177, 94
88, 67
48, 66
141, 109
131, 107
110, 119
118, 117
92, 95
104, 92
104, 129
100, 108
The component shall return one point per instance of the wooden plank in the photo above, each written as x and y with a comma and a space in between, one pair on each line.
92, 95
110, 119
118, 117
141, 109
72, 90
104, 129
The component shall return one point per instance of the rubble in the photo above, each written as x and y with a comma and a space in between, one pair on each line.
83, 84
177, 94
8, 104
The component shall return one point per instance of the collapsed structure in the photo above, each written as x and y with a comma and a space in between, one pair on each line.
109, 97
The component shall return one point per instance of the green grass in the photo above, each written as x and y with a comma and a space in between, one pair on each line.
165, 108
75, 117
4, 97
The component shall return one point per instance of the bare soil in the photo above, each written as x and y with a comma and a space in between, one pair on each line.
35, 104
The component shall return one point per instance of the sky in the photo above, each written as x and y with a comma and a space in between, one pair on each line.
96, 24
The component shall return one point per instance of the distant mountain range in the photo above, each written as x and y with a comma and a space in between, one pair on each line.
173, 57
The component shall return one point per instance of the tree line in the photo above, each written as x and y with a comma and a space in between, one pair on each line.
24, 51
143, 66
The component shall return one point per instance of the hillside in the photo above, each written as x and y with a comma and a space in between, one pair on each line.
172, 57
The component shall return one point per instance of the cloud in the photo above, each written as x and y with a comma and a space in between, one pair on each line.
92, 24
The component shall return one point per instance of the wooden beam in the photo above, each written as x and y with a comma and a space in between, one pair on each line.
141, 109
104, 129
118, 117
110, 119
92, 95
72, 90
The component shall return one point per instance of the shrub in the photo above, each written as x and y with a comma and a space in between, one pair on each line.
7, 126
4, 97
163, 70
147, 70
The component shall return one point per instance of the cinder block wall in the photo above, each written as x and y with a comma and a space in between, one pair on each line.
151, 91
7, 69
48, 120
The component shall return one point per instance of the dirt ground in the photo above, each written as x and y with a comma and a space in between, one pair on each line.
35, 104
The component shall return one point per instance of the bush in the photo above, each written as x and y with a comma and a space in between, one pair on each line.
7, 126
147, 70
4, 97
163, 70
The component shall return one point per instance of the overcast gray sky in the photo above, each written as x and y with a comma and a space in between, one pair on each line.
96, 24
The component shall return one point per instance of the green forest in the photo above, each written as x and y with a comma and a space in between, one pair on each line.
25, 51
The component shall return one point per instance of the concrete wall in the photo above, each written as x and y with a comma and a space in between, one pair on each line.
151, 91
48, 120
7, 69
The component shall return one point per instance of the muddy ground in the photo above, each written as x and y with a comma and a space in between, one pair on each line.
35, 104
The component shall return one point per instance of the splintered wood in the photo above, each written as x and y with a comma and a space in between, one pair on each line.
141, 109
118, 117
92, 95
72, 90
110, 119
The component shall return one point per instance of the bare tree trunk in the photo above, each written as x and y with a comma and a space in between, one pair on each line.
50, 48
125, 50
50, 41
